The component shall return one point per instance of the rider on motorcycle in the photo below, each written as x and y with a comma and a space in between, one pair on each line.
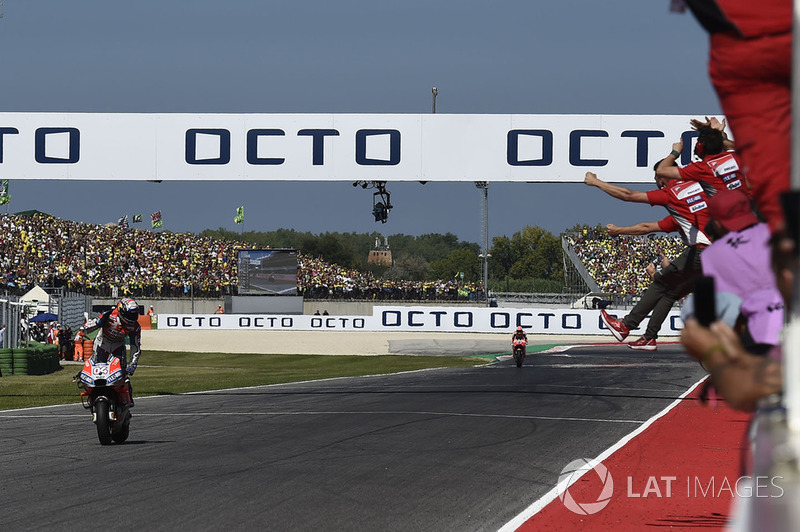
116, 324
518, 342
519, 334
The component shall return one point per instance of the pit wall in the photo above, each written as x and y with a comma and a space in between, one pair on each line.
418, 319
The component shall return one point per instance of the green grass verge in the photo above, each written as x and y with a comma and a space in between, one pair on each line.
164, 373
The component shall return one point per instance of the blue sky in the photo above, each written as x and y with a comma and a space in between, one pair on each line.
313, 56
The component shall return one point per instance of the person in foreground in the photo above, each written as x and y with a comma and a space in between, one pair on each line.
741, 377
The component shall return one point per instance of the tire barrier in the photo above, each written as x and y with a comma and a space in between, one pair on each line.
50, 360
39, 359
20, 361
6, 362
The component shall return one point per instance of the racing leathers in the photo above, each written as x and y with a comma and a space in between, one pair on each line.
111, 338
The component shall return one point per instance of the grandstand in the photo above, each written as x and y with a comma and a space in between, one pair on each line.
111, 261
612, 270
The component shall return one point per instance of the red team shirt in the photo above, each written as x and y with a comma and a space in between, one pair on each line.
688, 208
716, 172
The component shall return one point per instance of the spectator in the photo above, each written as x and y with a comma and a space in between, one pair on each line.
64, 336
52, 333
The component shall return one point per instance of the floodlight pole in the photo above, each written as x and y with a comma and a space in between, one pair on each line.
435, 91
484, 186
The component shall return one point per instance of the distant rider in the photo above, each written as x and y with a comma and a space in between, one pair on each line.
519, 334
116, 324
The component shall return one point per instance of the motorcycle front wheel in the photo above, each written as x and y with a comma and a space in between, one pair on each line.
103, 423
518, 358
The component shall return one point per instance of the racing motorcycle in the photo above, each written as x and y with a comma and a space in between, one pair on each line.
519, 350
106, 393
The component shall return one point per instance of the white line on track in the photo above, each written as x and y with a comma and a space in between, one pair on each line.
600, 365
256, 387
346, 413
551, 495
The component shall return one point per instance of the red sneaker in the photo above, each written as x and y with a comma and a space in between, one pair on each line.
617, 328
643, 344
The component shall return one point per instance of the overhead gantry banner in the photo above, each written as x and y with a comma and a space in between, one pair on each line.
337, 147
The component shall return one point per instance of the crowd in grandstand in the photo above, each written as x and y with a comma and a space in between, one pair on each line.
103, 260
617, 264
106, 260
321, 280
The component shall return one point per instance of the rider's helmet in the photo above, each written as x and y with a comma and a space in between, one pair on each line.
519, 328
128, 311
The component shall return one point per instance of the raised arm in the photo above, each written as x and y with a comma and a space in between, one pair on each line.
642, 228
616, 191
715, 123
667, 168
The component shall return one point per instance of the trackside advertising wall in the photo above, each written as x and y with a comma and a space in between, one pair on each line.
337, 147
420, 319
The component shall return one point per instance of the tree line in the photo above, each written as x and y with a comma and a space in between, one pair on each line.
528, 261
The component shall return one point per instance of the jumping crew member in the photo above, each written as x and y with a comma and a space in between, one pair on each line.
688, 213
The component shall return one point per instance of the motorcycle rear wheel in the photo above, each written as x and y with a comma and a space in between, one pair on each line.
122, 434
103, 423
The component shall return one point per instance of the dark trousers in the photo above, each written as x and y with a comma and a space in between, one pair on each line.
672, 283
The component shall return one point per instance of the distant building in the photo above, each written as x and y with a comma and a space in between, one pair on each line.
381, 254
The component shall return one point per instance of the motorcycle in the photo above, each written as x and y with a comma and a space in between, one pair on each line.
519, 350
106, 393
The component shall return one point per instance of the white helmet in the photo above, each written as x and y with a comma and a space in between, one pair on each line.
128, 310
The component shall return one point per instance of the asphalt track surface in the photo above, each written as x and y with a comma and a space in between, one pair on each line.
449, 449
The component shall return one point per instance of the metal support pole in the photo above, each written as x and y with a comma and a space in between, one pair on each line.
484, 186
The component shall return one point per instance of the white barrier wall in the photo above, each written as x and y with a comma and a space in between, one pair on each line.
420, 319
337, 147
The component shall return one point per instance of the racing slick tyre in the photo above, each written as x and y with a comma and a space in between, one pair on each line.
103, 423
122, 434
519, 356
